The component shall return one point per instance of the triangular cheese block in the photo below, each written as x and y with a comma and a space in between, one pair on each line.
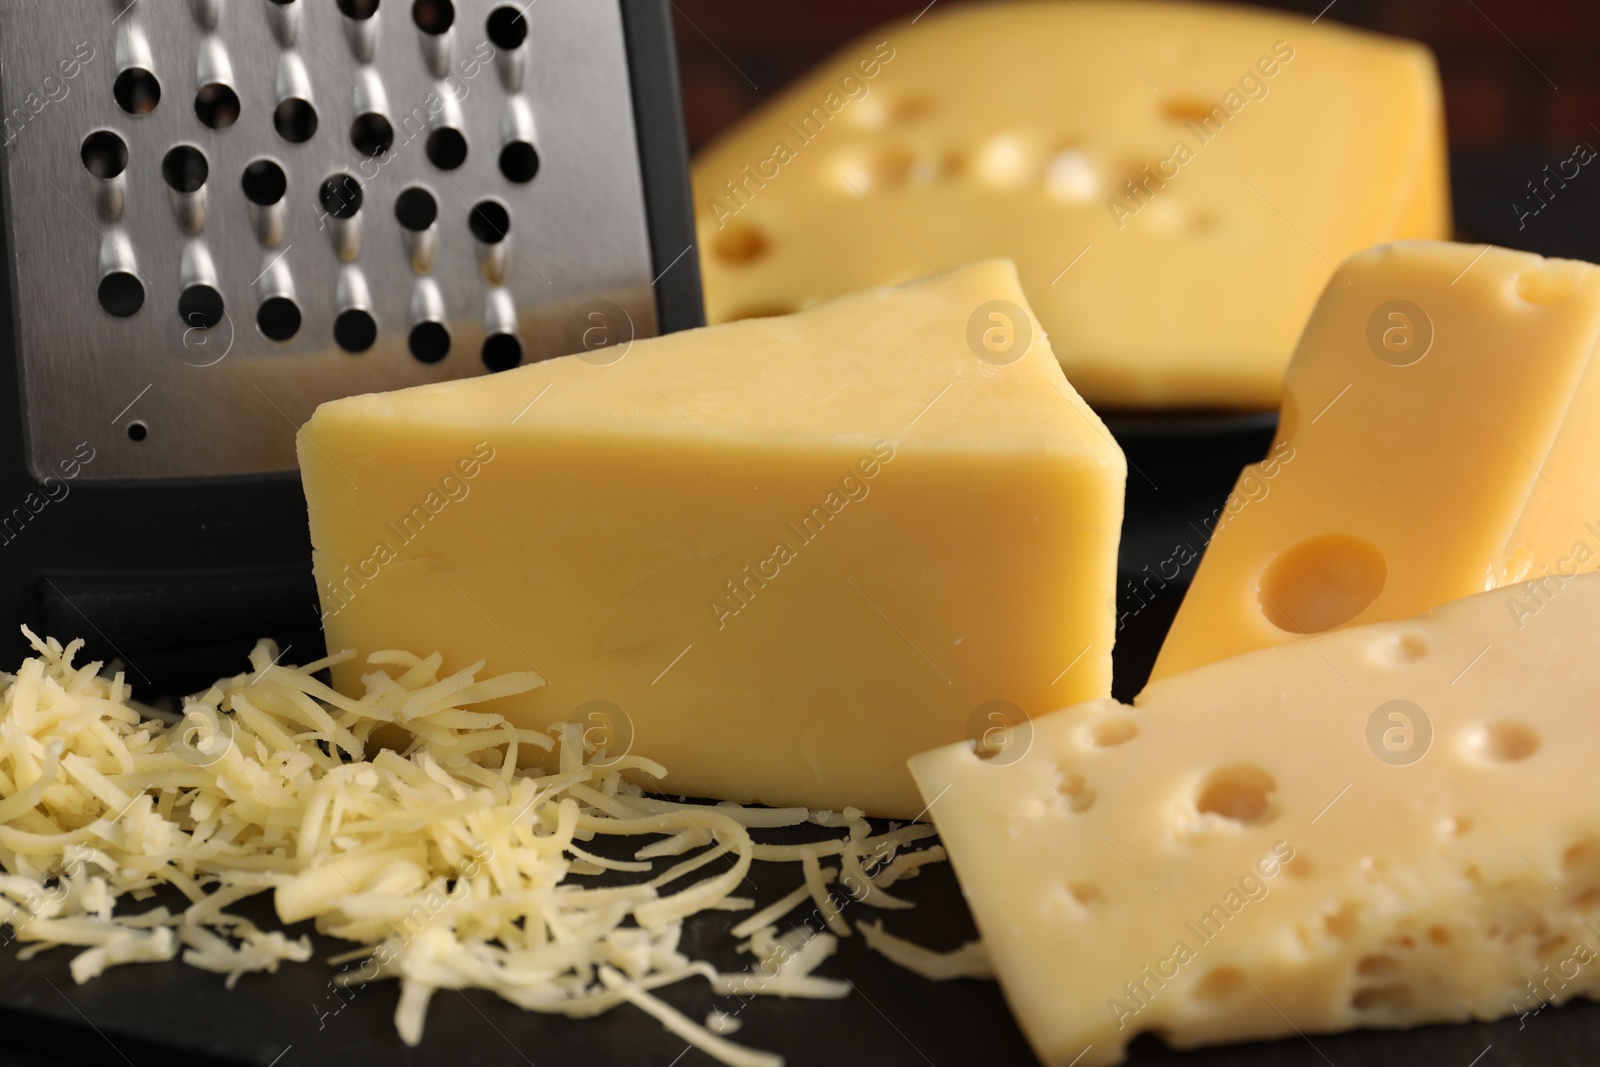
1390, 825
1175, 180
1440, 426
779, 556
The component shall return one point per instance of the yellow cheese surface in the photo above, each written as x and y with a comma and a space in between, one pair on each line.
1398, 826
1440, 426
1274, 149
784, 555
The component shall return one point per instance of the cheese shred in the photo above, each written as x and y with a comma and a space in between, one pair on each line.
968, 961
452, 862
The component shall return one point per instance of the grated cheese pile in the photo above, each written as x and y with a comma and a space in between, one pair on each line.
448, 860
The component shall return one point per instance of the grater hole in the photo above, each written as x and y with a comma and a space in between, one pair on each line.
433, 16
278, 318
355, 330
501, 351
489, 221
372, 134
104, 154
429, 341
185, 168
137, 91
340, 196
507, 28
359, 9
446, 148
137, 431
200, 307
415, 208
216, 106
295, 120
264, 182
121, 294
519, 161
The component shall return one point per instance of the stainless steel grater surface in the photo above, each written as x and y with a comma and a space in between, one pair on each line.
224, 212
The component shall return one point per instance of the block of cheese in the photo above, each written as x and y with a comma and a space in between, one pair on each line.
778, 556
1174, 180
1398, 826
1441, 421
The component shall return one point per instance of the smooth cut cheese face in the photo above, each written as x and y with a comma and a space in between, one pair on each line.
1440, 426
1274, 149
1399, 825
780, 556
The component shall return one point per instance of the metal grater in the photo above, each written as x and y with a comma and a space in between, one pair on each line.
220, 213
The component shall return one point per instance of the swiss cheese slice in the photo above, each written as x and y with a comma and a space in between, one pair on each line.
1175, 181
780, 556
1395, 824
1440, 426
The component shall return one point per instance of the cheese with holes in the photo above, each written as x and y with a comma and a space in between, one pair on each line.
1440, 423
1399, 825
781, 556
1175, 181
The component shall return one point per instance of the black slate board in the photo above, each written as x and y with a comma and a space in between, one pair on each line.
1180, 471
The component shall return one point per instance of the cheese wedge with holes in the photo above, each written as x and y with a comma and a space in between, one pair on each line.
778, 556
1440, 426
1175, 181
1397, 826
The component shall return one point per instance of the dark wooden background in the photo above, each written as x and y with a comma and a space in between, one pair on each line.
1517, 73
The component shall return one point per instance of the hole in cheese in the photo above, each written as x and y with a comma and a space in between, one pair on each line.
1503, 741
1550, 282
1086, 893
1377, 963
1111, 731
1075, 790
880, 110
882, 168
1242, 793
1220, 983
908, 107
936, 166
1382, 999
1552, 948
740, 242
1582, 858
1342, 923
1070, 176
1004, 162
1439, 935
1399, 649
1190, 109
1322, 582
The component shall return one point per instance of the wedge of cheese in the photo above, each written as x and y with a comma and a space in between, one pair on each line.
779, 556
1441, 423
1175, 181
1399, 825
